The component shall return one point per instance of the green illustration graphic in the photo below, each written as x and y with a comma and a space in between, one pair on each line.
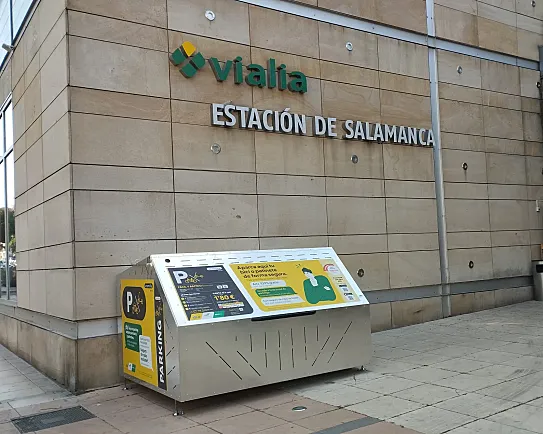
317, 288
186, 56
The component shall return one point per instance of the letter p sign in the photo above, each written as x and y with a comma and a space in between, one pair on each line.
180, 275
134, 303
129, 300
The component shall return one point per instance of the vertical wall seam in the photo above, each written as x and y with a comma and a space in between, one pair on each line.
170, 49
487, 171
438, 165
255, 167
323, 148
71, 171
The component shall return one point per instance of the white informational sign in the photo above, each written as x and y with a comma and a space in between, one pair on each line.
224, 286
146, 352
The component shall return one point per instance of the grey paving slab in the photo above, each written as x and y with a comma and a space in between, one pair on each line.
454, 351
483, 343
385, 407
518, 348
502, 372
492, 356
461, 365
432, 420
342, 397
7, 414
483, 426
428, 394
537, 402
389, 384
532, 363
41, 399
425, 359
8, 373
359, 378
427, 374
18, 378
479, 406
525, 417
5, 388
468, 382
393, 353
382, 366
18, 394
424, 346
521, 390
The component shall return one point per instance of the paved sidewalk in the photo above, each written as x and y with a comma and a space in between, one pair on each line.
474, 374
22, 385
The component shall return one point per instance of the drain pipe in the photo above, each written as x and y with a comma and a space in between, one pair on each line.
445, 291
540, 83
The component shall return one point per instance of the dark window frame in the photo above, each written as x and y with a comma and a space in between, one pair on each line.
5, 153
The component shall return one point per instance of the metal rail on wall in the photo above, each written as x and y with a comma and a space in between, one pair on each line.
540, 84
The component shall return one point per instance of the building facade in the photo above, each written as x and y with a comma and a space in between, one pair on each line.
405, 135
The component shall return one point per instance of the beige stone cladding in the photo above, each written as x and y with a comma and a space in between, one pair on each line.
491, 135
412, 14
513, 27
79, 365
145, 179
39, 79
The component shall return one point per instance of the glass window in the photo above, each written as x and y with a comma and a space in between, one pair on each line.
8, 114
3, 252
8, 263
20, 8
2, 142
11, 247
5, 26
13, 15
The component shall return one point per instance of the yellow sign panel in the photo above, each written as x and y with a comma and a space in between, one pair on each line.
143, 332
295, 284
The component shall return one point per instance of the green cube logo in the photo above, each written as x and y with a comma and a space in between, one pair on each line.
188, 60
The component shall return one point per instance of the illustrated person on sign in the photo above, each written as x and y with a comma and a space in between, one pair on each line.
317, 288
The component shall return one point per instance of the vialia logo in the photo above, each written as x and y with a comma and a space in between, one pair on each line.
274, 76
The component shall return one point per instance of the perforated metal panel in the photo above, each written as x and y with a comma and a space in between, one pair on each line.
52, 419
242, 354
